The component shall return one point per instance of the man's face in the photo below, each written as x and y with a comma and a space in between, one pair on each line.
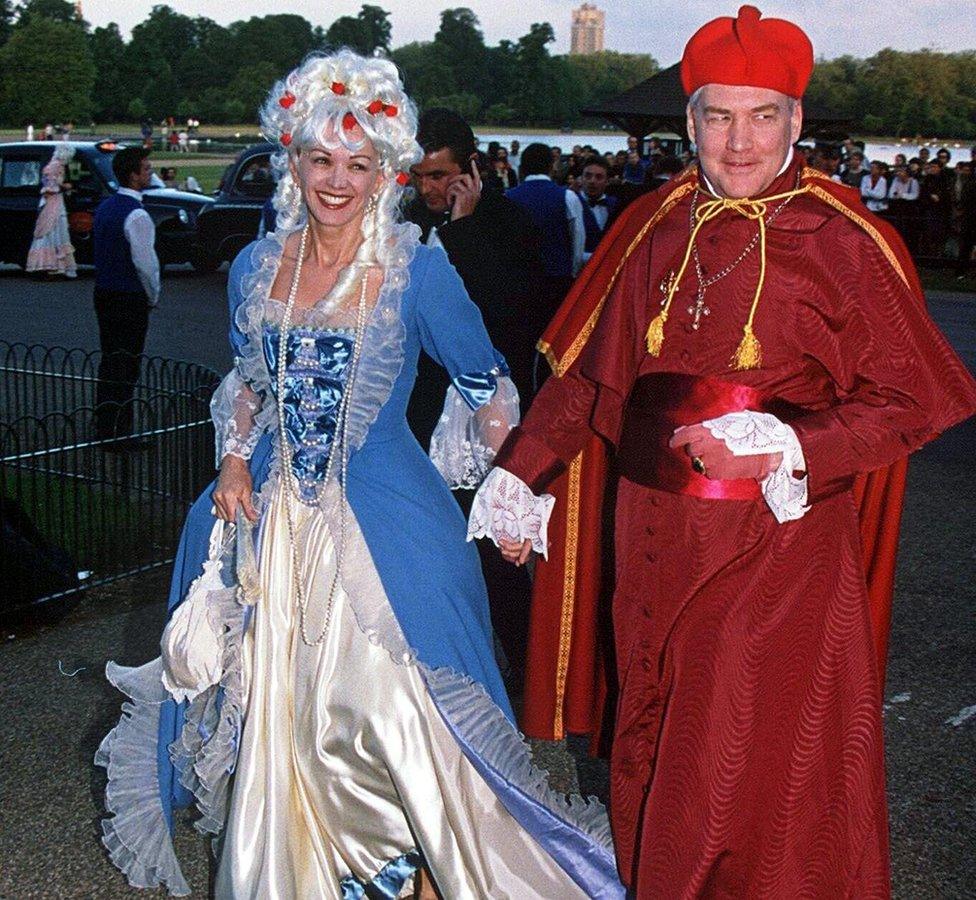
433, 175
632, 143
743, 135
875, 170
923, 154
943, 157
141, 179
594, 182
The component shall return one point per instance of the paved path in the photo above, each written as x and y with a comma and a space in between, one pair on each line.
50, 794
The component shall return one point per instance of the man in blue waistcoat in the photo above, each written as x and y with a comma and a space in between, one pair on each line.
126, 289
558, 214
598, 209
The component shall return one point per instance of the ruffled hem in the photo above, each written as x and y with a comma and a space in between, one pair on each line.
472, 713
205, 754
136, 836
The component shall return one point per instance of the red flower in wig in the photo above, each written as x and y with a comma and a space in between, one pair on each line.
338, 87
286, 100
349, 122
375, 107
285, 138
402, 179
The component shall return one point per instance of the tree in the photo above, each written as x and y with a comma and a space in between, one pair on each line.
48, 73
282, 40
366, 32
460, 45
6, 20
606, 74
425, 73
110, 97
250, 88
55, 10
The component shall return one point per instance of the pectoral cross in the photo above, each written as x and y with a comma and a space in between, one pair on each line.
698, 310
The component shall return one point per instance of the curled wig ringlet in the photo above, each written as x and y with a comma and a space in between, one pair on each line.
314, 100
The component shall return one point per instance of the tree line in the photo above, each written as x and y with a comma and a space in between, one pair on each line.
54, 67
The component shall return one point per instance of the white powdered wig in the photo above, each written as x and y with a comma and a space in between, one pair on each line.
313, 100
64, 152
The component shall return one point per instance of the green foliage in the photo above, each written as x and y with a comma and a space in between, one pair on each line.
366, 32
902, 94
178, 65
47, 73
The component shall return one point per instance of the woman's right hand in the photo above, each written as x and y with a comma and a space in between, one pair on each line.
234, 487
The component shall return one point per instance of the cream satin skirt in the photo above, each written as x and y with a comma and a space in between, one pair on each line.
345, 763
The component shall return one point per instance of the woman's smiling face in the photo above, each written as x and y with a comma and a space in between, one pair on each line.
336, 182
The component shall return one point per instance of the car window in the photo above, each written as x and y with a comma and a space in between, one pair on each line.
83, 177
254, 177
20, 173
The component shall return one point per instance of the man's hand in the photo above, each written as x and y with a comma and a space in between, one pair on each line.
720, 463
516, 552
234, 487
464, 192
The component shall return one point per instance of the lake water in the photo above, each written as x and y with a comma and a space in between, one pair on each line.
613, 141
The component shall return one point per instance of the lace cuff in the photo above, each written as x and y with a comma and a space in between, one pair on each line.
235, 409
504, 507
479, 411
751, 433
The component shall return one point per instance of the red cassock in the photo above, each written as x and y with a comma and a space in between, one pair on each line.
747, 754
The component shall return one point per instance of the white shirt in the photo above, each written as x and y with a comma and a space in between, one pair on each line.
903, 190
601, 213
875, 196
577, 230
141, 235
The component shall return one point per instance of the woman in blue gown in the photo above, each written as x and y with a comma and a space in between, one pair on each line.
327, 694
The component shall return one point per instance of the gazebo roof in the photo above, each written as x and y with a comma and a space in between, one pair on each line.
658, 104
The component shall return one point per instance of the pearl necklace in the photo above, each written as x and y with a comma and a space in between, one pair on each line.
339, 445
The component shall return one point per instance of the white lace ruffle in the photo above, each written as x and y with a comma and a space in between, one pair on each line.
504, 507
465, 441
136, 835
751, 433
239, 415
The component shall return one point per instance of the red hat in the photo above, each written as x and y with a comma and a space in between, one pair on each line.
771, 53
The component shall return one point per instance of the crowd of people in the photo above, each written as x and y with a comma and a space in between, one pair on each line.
931, 200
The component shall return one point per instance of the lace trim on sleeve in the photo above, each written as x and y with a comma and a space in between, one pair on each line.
239, 417
480, 409
504, 507
751, 433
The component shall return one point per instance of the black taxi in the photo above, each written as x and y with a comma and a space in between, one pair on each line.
174, 213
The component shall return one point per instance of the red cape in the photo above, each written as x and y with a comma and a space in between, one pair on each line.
566, 668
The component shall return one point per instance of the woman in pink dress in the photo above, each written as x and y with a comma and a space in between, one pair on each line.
51, 249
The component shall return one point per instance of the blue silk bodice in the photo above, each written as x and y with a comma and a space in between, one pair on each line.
316, 368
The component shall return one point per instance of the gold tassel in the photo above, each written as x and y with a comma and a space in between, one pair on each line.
749, 353
655, 334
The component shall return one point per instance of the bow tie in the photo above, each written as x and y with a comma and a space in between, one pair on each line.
601, 202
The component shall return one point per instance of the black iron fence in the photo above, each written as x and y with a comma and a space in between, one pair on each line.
77, 510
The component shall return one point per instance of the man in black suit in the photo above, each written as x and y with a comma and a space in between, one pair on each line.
490, 240
494, 246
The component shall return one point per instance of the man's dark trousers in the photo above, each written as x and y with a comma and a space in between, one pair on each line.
123, 319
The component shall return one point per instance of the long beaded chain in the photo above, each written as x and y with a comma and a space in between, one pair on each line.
339, 446
700, 309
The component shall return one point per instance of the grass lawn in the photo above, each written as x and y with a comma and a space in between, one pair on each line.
207, 175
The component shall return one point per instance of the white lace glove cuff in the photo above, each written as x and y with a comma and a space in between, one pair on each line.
504, 507
751, 433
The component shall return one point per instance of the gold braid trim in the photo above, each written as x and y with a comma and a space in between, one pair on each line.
561, 366
569, 592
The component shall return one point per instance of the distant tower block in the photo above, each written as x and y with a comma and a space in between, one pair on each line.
78, 9
587, 30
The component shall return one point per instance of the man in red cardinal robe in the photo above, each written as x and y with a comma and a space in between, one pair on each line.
752, 342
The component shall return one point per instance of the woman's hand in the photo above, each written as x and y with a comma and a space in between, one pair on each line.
234, 486
516, 552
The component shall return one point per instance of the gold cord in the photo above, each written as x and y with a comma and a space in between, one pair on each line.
748, 355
